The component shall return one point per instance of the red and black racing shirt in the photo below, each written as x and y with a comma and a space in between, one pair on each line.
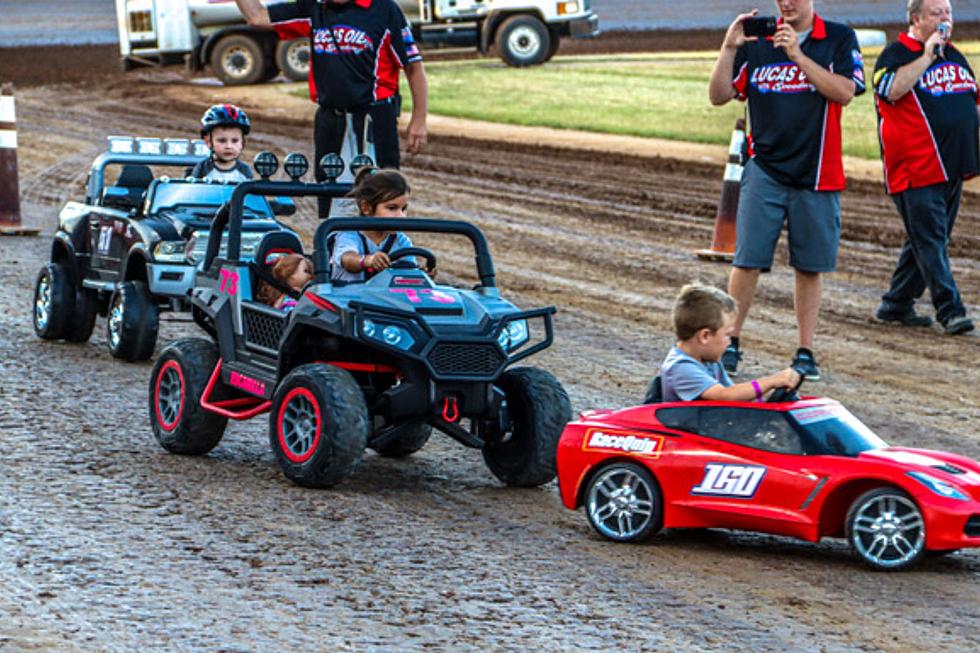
795, 131
357, 48
929, 135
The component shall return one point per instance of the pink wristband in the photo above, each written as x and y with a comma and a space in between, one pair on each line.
362, 263
758, 389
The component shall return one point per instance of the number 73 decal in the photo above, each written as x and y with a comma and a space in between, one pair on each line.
730, 480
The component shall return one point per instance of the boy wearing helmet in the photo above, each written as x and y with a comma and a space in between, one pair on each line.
223, 128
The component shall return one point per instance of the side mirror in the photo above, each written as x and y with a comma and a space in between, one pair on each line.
282, 205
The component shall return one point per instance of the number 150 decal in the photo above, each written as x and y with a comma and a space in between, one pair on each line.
730, 480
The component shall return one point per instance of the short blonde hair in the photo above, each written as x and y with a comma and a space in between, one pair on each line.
699, 306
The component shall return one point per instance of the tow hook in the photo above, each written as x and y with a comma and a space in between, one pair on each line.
450, 409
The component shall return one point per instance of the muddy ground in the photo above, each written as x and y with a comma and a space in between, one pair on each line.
109, 543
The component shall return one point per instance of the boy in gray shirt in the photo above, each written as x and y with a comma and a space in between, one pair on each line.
703, 320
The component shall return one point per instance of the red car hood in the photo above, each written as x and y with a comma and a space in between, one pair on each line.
944, 466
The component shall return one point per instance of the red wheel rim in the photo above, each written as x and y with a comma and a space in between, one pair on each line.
299, 425
168, 395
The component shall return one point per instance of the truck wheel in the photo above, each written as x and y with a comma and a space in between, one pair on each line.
238, 59
79, 328
178, 380
407, 443
623, 503
293, 58
132, 322
539, 409
318, 426
886, 529
54, 299
523, 40
553, 49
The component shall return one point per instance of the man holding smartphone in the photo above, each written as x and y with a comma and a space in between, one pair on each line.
797, 75
926, 96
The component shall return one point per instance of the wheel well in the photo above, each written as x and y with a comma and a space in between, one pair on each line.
267, 39
135, 268
580, 495
835, 507
494, 22
308, 344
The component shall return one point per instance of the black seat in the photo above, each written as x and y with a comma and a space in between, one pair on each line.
271, 248
655, 392
130, 187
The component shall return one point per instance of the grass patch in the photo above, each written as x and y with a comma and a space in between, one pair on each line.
663, 95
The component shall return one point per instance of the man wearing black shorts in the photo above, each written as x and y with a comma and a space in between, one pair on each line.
926, 95
357, 48
796, 83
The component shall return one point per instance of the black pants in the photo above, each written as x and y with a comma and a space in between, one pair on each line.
328, 136
928, 214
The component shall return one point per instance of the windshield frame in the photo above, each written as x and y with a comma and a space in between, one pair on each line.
851, 434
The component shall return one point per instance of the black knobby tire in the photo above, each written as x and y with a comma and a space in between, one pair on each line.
181, 425
293, 58
553, 48
523, 40
132, 322
539, 409
407, 443
888, 513
82, 323
318, 426
54, 301
623, 502
239, 59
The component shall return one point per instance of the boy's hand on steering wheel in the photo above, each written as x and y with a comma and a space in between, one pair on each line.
787, 378
377, 261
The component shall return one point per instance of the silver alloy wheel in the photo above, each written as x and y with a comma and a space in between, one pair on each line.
524, 41
298, 56
299, 426
169, 397
888, 530
620, 503
42, 305
237, 62
115, 321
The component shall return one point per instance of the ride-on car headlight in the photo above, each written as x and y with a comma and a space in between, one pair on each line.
121, 144
513, 335
942, 488
295, 165
171, 251
200, 148
390, 334
358, 162
177, 146
149, 146
332, 166
265, 163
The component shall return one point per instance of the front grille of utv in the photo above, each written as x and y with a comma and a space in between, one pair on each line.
262, 329
462, 359
972, 528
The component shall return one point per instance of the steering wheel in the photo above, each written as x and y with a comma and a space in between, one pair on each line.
395, 256
788, 394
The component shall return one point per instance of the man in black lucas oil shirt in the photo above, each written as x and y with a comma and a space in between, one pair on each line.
926, 96
357, 49
796, 83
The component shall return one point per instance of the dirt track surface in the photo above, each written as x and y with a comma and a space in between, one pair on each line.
108, 543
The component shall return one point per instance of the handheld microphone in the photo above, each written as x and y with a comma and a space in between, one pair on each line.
943, 29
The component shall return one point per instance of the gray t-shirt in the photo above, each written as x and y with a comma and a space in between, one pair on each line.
685, 378
353, 241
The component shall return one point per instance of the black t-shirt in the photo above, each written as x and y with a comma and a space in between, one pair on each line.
795, 131
929, 135
357, 48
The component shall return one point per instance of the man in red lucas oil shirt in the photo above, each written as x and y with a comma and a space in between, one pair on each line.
926, 96
796, 83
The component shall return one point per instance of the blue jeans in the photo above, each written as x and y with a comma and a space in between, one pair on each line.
928, 214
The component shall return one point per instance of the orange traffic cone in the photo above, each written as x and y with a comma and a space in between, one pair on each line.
9, 189
723, 240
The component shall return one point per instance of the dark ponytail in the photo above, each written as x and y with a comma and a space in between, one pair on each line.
374, 186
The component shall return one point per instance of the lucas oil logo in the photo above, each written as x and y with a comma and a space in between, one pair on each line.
343, 40
623, 442
780, 78
730, 480
947, 78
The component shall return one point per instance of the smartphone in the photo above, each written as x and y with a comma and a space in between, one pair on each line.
759, 26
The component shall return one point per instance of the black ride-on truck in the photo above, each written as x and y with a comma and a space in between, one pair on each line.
131, 249
371, 364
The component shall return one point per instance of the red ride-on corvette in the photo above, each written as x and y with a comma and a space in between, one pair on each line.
805, 468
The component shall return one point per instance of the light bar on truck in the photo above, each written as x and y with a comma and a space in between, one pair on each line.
200, 148
176, 146
149, 146
121, 145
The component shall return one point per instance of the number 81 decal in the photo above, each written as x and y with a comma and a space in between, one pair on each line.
730, 480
